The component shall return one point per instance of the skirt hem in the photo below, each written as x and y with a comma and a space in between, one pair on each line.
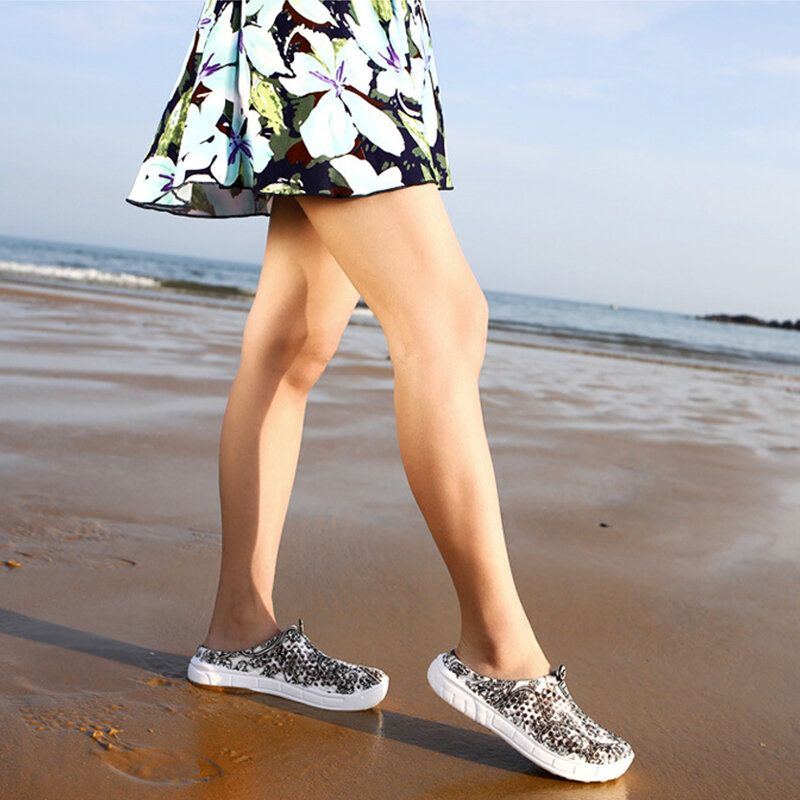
195, 211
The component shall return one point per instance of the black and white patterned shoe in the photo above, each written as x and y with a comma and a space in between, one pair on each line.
537, 717
289, 665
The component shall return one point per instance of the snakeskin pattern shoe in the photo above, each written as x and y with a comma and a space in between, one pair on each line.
289, 665
537, 717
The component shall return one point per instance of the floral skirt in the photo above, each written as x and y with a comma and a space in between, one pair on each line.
297, 97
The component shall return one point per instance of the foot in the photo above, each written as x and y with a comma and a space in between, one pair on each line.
536, 716
288, 665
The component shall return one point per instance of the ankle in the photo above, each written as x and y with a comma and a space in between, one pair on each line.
241, 623
225, 635
518, 657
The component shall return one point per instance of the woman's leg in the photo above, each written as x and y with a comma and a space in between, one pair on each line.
302, 305
399, 250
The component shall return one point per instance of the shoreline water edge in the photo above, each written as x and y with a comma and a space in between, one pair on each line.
522, 320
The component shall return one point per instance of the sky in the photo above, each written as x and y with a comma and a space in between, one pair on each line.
639, 153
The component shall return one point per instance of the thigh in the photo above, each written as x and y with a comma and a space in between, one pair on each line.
399, 250
301, 290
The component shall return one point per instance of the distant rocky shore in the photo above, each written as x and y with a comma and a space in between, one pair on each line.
746, 319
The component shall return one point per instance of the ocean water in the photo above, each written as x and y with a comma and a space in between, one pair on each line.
514, 318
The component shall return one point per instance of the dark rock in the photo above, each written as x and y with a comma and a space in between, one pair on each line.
746, 319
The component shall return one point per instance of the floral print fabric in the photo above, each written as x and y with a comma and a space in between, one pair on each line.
297, 97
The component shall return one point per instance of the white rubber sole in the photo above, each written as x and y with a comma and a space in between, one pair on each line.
462, 699
213, 676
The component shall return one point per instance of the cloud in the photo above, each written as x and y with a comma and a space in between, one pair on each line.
781, 66
774, 136
101, 26
605, 20
574, 88
640, 226
788, 66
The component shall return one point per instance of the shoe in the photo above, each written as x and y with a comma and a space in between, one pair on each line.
288, 665
537, 717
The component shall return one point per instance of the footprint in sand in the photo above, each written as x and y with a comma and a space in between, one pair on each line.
115, 562
152, 764
161, 680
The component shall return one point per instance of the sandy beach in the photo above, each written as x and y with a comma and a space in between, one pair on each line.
651, 509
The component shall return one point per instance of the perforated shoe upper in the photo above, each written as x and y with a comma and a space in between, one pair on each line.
292, 657
544, 709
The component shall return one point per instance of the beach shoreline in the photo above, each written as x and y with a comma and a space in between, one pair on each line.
524, 320
651, 511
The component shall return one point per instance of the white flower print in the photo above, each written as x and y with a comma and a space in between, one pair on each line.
331, 127
156, 181
259, 16
296, 97
423, 71
210, 142
313, 10
388, 52
361, 176
234, 145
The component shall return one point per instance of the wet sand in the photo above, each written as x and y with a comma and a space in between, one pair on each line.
651, 510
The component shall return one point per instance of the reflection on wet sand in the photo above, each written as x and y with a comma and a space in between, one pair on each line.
651, 512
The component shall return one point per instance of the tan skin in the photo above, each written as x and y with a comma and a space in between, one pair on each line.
397, 250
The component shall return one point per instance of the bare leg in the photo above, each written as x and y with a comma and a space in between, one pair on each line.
400, 252
302, 306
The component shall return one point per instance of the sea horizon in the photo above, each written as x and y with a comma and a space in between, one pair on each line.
515, 318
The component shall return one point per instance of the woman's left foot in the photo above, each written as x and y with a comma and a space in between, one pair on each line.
288, 665
537, 717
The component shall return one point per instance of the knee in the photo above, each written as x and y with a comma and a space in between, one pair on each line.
471, 333
295, 354
452, 337
311, 358
479, 313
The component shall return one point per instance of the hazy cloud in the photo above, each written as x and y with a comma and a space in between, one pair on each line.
607, 20
662, 179
779, 65
96, 25
773, 135
575, 88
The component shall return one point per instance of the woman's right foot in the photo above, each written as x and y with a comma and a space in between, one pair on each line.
537, 717
288, 665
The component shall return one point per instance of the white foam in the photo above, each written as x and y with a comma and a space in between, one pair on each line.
363, 312
85, 274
